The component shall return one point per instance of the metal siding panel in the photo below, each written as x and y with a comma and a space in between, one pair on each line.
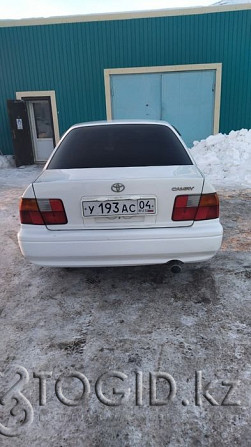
70, 59
188, 103
136, 96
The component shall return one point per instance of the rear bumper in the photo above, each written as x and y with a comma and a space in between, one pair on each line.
99, 248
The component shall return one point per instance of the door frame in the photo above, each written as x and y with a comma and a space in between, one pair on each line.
29, 95
108, 72
32, 121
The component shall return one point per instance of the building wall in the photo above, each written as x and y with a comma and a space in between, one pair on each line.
70, 58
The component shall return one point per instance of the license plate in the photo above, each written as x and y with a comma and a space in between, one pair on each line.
127, 207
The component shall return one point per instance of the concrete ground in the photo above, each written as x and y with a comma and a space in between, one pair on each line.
193, 327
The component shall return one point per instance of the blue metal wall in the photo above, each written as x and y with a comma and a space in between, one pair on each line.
70, 58
185, 99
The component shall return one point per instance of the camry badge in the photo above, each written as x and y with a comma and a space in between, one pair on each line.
117, 187
183, 188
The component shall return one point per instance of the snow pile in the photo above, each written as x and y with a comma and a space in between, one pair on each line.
231, 2
6, 161
225, 159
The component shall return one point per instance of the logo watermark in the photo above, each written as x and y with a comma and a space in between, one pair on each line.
116, 382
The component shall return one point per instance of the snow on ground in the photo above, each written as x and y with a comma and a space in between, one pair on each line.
19, 177
224, 159
6, 161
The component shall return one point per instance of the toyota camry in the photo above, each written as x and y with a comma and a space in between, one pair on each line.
120, 193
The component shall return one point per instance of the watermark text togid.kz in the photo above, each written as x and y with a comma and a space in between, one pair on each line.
112, 389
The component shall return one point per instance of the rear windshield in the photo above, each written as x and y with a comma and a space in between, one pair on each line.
119, 145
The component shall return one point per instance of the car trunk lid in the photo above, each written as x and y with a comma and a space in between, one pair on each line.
80, 189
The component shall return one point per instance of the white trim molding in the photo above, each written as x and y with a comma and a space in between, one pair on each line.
52, 95
125, 15
164, 69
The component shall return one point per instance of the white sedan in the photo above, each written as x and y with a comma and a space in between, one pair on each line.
120, 193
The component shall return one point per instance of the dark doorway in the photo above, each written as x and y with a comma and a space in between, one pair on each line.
20, 130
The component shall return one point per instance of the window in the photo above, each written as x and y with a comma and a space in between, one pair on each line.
119, 145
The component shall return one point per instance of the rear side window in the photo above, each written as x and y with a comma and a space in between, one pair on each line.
119, 145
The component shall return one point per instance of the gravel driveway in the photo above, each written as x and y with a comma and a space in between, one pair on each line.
163, 336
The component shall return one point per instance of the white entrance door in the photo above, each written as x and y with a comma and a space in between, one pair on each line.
42, 128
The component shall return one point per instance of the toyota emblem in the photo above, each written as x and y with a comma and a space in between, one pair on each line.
117, 187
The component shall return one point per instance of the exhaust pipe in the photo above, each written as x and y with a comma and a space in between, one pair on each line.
175, 266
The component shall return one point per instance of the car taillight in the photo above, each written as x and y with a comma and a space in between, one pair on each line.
42, 212
208, 207
29, 212
196, 207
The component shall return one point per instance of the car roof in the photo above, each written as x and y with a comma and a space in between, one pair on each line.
124, 121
